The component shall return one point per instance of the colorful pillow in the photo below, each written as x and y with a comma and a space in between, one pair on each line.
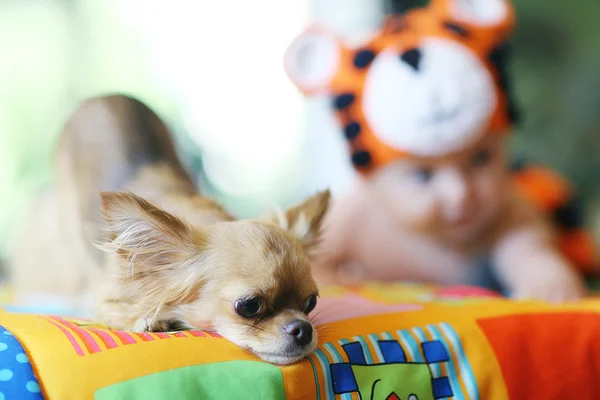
381, 342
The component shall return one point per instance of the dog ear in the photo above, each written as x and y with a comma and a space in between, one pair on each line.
305, 220
158, 249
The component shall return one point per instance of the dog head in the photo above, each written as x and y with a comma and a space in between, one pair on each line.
249, 280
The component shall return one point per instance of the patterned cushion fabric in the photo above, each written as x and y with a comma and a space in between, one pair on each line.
377, 341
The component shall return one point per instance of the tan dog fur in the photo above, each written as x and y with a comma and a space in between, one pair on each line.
162, 256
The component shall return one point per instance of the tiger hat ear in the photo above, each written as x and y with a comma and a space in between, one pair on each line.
312, 60
487, 14
489, 23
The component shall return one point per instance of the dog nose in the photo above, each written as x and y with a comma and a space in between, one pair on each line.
302, 331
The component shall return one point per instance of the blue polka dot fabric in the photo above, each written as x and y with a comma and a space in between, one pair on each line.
17, 380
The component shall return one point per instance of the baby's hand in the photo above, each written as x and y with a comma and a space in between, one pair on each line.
551, 285
344, 273
528, 260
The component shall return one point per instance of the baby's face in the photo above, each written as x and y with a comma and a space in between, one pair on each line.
454, 197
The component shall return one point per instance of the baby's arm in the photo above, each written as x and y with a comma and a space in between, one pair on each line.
528, 261
332, 265
335, 262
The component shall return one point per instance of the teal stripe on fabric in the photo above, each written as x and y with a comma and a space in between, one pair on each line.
436, 371
374, 339
333, 353
452, 375
337, 358
465, 368
365, 347
412, 345
316, 375
324, 362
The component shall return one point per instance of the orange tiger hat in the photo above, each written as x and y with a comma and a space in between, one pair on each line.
428, 83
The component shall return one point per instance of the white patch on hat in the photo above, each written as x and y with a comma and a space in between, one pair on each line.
439, 105
480, 12
312, 60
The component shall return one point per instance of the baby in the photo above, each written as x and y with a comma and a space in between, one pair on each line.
425, 109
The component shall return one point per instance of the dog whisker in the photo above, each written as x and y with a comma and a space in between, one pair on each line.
258, 328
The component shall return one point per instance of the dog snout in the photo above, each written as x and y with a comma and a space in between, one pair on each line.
301, 331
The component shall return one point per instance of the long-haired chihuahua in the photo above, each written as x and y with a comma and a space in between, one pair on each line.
249, 281
172, 257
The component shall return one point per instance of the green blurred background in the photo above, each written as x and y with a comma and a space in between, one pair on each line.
56, 52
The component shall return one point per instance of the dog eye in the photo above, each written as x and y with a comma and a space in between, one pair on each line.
311, 303
249, 307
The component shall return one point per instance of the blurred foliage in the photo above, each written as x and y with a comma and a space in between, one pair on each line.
57, 52
555, 68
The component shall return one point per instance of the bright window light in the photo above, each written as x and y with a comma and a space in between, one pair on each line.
224, 59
